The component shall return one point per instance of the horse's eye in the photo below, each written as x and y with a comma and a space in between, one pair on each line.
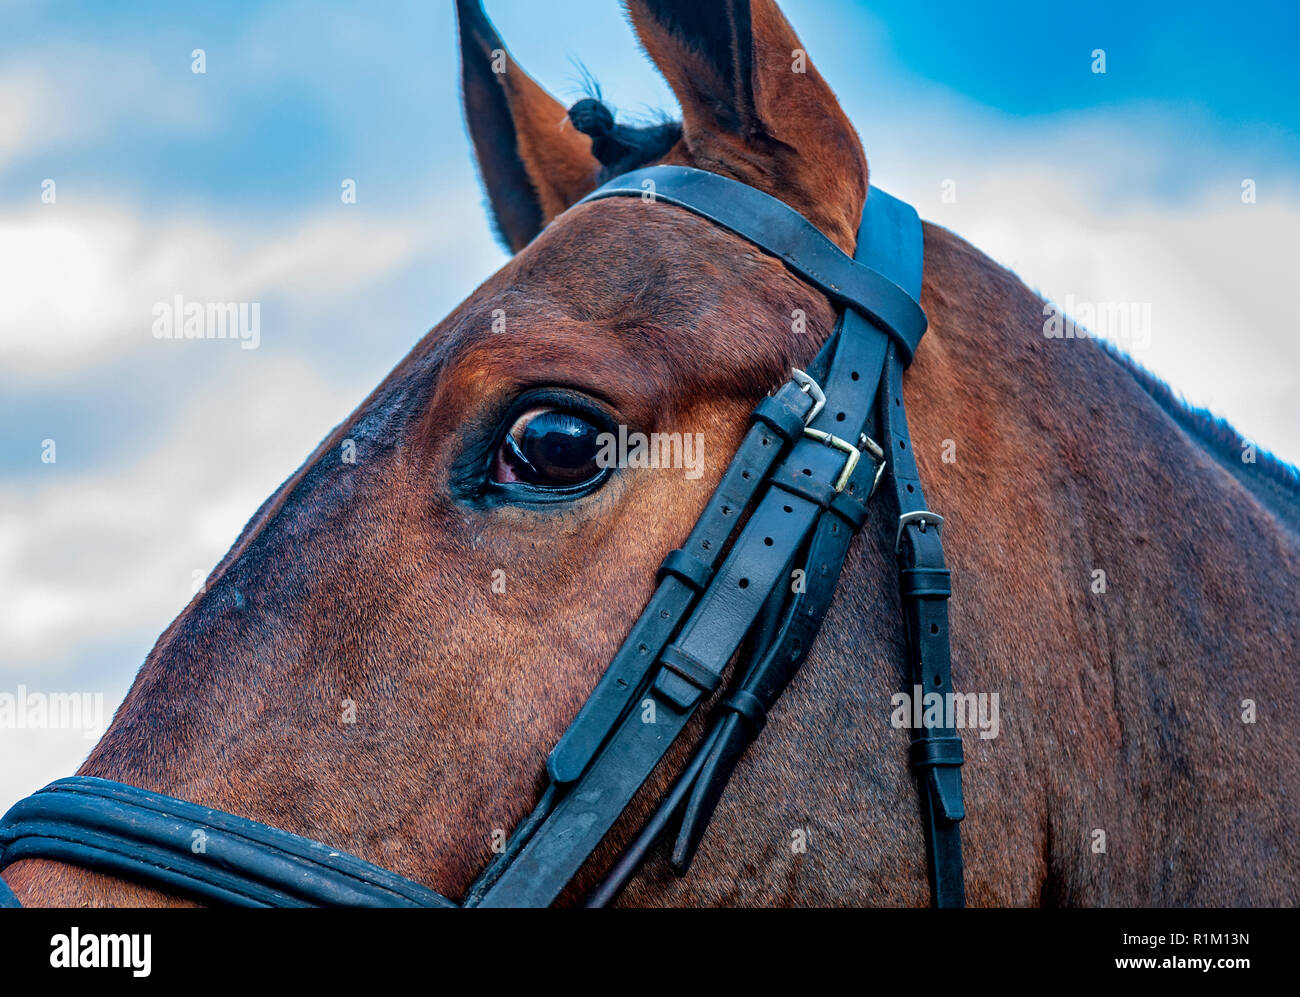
549, 448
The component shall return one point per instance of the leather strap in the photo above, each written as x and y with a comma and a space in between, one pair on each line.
889, 238
763, 685
802, 504
629, 670
610, 749
936, 753
710, 637
7, 898
773, 225
195, 851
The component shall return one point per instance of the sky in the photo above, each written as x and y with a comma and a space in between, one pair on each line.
1117, 187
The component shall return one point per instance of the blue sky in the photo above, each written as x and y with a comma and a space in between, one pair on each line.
225, 186
296, 91
1237, 65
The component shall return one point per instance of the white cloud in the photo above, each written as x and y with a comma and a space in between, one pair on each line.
94, 561
1132, 204
96, 556
86, 278
35, 757
1212, 269
22, 128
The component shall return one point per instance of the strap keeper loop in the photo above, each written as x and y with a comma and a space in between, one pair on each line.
685, 567
929, 752
923, 519
781, 418
694, 671
750, 710
819, 493
925, 583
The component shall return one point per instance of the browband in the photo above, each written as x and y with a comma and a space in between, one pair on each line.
774, 226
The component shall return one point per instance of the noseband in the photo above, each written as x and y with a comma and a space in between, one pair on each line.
793, 497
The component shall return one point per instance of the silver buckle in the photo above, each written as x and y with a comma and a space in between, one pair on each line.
854, 455
923, 518
838, 444
809, 387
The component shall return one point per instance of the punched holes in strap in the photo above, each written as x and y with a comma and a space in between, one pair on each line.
819, 493
849, 504
850, 508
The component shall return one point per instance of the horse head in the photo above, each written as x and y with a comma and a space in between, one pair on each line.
405, 628
408, 623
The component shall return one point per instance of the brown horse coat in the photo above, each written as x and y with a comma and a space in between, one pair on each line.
371, 584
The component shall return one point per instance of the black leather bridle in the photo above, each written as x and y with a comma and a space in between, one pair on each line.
793, 497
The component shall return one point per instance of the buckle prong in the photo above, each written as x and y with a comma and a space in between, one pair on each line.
835, 443
923, 518
854, 455
809, 387
878, 455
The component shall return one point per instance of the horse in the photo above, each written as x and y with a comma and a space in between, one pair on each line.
393, 643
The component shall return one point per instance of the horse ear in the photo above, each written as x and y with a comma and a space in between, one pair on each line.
755, 108
533, 162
